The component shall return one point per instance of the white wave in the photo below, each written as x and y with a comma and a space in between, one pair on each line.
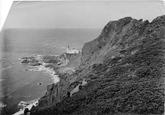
28, 105
56, 79
2, 105
47, 70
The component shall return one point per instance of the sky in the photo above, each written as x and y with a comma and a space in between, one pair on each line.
79, 14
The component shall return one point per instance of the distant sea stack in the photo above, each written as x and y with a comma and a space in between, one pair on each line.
123, 70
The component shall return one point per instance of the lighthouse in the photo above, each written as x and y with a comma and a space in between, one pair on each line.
72, 50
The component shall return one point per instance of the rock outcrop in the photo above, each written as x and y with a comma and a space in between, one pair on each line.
124, 71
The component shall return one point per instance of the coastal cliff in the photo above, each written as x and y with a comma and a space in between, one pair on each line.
120, 72
60, 67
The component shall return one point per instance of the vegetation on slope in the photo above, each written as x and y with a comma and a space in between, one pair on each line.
131, 83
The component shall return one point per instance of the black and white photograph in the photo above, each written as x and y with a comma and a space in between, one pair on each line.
78, 57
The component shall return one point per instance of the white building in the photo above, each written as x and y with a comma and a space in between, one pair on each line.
72, 50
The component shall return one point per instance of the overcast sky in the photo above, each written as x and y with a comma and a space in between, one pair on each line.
78, 14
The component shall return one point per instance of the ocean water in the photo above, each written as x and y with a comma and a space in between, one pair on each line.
20, 85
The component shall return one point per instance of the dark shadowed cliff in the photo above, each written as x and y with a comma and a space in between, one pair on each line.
120, 72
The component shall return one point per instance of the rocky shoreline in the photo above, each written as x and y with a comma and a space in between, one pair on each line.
39, 63
24, 105
52, 65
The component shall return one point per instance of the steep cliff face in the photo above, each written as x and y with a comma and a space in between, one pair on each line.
124, 70
57, 92
115, 36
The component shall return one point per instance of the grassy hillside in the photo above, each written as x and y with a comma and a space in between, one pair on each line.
129, 83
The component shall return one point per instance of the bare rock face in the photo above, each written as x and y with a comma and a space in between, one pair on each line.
124, 71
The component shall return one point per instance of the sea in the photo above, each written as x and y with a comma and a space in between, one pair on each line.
17, 84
